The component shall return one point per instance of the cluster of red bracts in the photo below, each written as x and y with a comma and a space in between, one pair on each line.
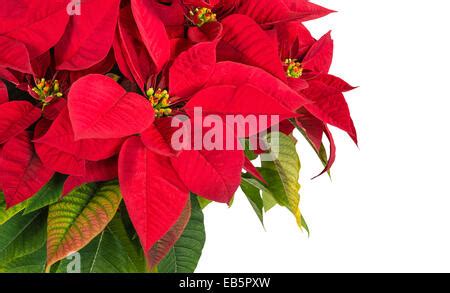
71, 118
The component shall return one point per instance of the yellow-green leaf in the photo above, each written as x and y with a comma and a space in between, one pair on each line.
282, 173
203, 202
80, 217
6, 214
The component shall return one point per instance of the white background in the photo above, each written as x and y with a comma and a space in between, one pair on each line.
388, 206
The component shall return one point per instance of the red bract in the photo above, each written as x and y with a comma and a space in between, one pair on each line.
132, 57
232, 73
306, 10
59, 150
95, 171
22, 173
244, 41
153, 193
264, 12
14, 55
213, 174
329, 104
100, 108
157, 137
4, 97
152, 31
192, 69
89, 36
16, 117
38, 24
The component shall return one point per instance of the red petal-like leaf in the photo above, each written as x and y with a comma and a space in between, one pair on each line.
319, 57
41, 63
332, 156
53, 110
334, 82
157, 137
132, 57
231, 73
16, 116
60, 161
6, 74
211, 31
297, 84
41, 128
4, 98
243, 100
14, 55
294, 40
119, 53
251, 169
244, 41
54, 158
313, 128
172, 14
153, 32
95, 172
153, 194
39, 24
89, 36
22, 173
215, 175
306, 10
102, 67
286, 127
60, 136
330, 107
100, 108
192, 69
163, 246
265, 11
201, 3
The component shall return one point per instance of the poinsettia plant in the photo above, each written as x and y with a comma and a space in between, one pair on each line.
93, 94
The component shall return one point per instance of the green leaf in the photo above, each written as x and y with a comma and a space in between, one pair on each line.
79, 217
305, 225
282, 173
323, 156
22, 235
110, 252
6, 214
269, 201
49, 194
267, 198
249, 153
254, 182
254, 196
185, 254
128, 226
131, 247
31, 263
203, 202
